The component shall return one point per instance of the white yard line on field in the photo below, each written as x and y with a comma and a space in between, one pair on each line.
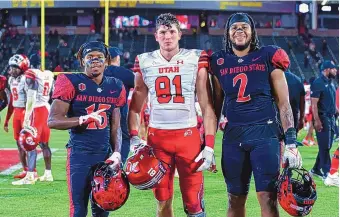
19, 166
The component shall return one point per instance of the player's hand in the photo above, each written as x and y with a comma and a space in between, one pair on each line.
208, 158
6, 127
93, 117
26, 123
318, 126
293, 156
114, 160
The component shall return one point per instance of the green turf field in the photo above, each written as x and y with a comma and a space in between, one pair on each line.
51, 199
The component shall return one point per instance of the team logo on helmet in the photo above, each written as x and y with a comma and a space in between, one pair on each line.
20, 61
110, 187
143, 169
28, 139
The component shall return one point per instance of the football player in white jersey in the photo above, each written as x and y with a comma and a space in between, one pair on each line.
38, 86
18, 64
172, 76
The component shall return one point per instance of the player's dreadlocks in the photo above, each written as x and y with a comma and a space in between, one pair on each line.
92, 46
167, 20
254, 43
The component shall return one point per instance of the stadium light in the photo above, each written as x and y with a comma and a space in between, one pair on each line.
326, 8
303, 8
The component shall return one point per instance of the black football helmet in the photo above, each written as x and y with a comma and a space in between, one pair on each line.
296, 191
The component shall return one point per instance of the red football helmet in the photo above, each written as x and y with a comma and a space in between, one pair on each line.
143, 169
110, 187
21, 61
297, 194
28, 138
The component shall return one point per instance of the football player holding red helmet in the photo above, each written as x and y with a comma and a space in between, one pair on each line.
296, 191
143, 169
28, 138
110, 187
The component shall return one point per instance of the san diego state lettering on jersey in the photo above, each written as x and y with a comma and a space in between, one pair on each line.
45, 82
85, 97
18, 91
246, 84
171, 86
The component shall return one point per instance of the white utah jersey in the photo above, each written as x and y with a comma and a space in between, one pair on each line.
45, 82
18, 91
171, 86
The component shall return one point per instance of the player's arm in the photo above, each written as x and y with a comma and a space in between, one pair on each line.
205, 101
9, 112
218, 96
57, 118
139, 96
302, 106
31, 94
317, 122
282, 98
63, 94
291, 155
203, 91
316, 91
116, 131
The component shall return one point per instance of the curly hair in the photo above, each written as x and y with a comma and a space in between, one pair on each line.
167, 20
254, 44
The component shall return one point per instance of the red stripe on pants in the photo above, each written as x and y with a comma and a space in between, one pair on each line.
68, 176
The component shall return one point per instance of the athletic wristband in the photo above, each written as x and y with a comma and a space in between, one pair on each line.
210, 141
133, 133
290, 136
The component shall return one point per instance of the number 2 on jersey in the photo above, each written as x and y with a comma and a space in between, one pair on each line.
243, 84
163, 89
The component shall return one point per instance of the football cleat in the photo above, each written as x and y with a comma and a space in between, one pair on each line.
21, 175
46, 178
314, 173
29, 179
332, 180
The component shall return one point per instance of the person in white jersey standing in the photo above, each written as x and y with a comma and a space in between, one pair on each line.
38, 85
18, 64
173, 76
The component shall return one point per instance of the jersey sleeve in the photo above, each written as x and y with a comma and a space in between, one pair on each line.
3, 82
31, 74
136, 67
203, 61
63, 89
316, 89
122, 97
278, 58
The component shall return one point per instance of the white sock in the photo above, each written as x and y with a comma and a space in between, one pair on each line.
48, 173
